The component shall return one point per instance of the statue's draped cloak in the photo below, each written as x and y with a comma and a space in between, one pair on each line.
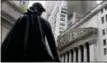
26, 40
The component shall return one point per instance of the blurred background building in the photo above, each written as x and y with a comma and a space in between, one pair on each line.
11, 10
79, 27
49, 6
81, 7
86, 39
73, 17
57, 16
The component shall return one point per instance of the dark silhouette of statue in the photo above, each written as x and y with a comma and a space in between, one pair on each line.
26, 40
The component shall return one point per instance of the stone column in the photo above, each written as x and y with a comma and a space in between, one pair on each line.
70, 56
85, 53
79, 54
92, 52
62, 58
66, 57
74, 55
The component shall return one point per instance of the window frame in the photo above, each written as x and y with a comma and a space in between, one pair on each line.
105, 51
103, 32
104, 42
62, 24
62, 19
106, 17
64, 12
102, 10
62, 15
105, 7
102, 20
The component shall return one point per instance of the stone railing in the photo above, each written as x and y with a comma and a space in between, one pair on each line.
74, 35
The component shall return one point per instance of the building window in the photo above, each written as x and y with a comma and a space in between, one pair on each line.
64, 57
105, 7
54, 22
105, 51
62, 19
61, 28
63, 12
62, 15
104, 42
106, 30
60, 31
101, 10
62, 24
106, 17
64, 9
103, 32
102, 19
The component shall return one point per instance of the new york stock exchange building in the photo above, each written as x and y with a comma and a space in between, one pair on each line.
86, 39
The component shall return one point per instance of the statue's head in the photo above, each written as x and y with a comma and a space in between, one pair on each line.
38, 8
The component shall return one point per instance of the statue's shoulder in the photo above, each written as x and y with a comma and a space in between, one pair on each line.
44, 20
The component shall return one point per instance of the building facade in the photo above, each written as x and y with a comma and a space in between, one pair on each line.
86, 40
49, 6
11, 10
57, 17
73, 17
81, 7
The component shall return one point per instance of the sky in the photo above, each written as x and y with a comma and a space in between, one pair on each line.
31, 2
98, 2
43, 2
